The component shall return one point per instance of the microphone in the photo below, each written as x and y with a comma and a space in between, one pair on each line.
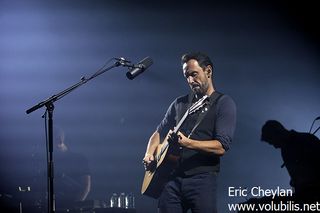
139, 68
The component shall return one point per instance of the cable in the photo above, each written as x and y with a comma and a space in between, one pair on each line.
99, 70
317, 118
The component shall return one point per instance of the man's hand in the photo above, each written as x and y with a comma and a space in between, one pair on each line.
183, 140
148, 161
173, 137
179, 139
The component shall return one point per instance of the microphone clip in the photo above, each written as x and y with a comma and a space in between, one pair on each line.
124, 62
134, 69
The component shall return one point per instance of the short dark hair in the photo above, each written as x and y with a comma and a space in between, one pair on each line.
202, 58
272, 129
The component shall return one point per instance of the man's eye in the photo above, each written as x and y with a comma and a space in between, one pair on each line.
193, 74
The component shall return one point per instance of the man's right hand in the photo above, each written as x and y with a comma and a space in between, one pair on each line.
148, 161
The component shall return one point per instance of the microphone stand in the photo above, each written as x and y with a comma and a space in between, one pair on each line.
48, 103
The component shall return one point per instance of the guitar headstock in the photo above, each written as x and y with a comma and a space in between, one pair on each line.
194, 108
198, 105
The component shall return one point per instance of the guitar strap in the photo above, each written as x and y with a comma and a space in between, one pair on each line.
212, 103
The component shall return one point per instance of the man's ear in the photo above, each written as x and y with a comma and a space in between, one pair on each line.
208, 70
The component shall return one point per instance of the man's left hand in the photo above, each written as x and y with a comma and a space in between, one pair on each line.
183, 140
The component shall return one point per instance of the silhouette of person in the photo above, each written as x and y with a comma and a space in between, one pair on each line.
71, 173
72, 176
301, 155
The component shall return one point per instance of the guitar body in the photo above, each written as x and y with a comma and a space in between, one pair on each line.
155, 178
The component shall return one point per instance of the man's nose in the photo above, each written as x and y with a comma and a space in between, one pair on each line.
190, 79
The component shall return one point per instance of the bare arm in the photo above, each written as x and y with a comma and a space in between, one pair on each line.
86, 187
154, 141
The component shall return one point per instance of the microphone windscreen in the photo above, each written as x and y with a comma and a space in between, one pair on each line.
146, 62
141, 67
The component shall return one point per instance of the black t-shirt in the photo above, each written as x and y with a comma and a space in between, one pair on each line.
69, 171
70, 168
217, 124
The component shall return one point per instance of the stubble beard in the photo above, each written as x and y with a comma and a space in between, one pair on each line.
201, 90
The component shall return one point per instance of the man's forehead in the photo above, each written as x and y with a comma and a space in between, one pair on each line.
190, 65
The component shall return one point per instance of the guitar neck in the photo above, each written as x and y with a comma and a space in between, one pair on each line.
177, 127
197, 105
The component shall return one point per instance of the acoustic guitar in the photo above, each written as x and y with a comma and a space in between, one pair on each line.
166, 157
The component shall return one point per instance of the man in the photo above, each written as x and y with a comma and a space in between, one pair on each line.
72, 173
72, 176
300, 153
203, 139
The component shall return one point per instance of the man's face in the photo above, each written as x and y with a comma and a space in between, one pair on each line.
197, 78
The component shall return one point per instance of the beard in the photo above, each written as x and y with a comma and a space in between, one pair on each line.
200, 89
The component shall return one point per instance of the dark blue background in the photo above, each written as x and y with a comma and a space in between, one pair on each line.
266, 56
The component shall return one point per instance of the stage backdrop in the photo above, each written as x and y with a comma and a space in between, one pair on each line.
266, 56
